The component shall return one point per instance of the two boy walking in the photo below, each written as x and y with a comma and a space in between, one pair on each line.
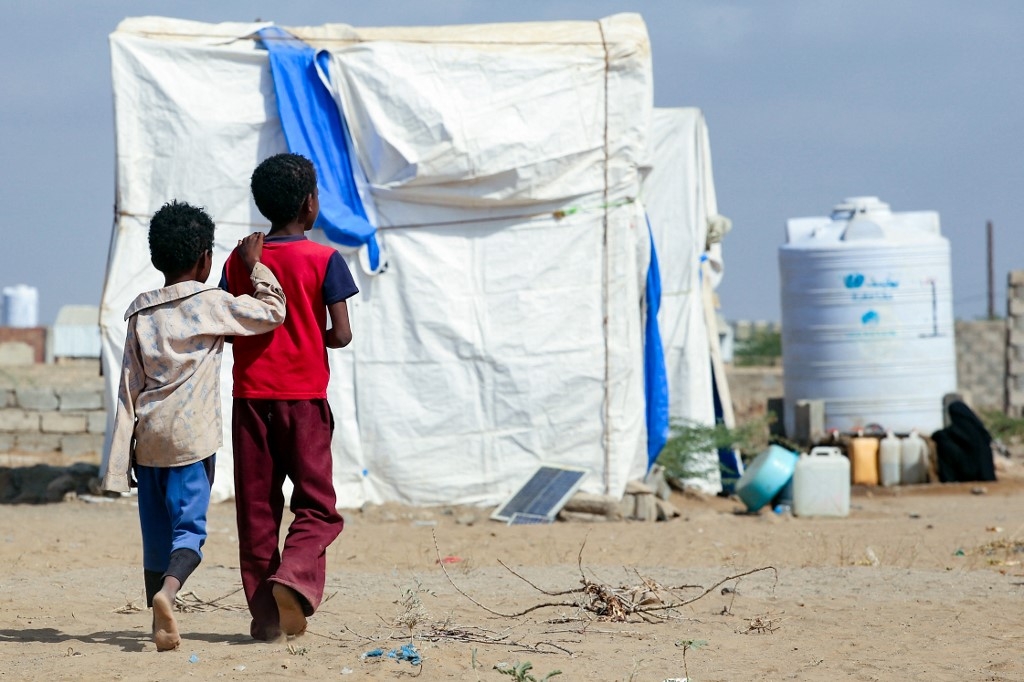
168, 419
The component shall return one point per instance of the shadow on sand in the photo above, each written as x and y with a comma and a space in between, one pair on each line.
126, 641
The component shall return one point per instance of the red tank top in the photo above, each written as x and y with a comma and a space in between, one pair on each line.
289, 363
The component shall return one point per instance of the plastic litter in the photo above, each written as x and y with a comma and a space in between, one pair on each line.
406, 653
193, 659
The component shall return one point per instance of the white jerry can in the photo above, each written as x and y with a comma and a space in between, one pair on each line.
889, 449
913, 459
821, 483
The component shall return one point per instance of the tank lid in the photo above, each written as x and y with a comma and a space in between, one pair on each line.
860, 222
852, 207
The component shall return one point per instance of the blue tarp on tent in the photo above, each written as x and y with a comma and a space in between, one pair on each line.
314, 127
655, 375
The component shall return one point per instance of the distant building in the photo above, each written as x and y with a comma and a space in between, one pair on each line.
76, 333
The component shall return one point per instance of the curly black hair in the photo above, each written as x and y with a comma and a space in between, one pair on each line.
179, 234
280, 184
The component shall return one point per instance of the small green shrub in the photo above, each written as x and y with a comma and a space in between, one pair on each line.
763, 348
1002, 426
521, 672
688, 440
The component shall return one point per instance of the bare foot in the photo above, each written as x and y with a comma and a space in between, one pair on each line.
293, 620
266, 633
165, 628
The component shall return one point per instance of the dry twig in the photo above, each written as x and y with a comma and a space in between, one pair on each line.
617, 604
130, 607
762, 625
190, 602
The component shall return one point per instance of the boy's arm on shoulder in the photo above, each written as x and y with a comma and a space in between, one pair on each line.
261, 312
340, 333
268, 291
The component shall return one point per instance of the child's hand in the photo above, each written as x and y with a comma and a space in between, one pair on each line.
250, 249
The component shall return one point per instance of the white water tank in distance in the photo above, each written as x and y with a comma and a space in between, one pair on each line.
867, 317
21, 306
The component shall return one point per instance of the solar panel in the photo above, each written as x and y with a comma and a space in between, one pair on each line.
543, 495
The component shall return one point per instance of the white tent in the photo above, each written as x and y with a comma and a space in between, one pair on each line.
501, 166
678, 192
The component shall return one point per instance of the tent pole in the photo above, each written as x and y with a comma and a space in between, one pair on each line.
711, 323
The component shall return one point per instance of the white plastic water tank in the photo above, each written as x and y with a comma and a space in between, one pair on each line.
867, 317
21, 306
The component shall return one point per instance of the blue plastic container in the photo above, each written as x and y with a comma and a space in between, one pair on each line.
784, 497
766, 476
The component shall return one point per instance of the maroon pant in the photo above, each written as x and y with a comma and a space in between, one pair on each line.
274, 439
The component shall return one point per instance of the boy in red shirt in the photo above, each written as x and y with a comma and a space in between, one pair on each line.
281, 422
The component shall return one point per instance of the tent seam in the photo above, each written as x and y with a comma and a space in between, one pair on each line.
605, 274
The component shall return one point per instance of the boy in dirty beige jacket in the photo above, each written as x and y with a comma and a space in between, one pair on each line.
168, 418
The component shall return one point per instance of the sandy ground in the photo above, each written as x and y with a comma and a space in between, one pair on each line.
902, 589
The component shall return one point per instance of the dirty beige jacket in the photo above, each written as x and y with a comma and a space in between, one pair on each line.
168, 410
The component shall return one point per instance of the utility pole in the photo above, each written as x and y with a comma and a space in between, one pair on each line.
991, 273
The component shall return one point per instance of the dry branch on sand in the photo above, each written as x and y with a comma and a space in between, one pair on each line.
130, 607
190, 602
1001, 552
647, 601
448, 631
763, 625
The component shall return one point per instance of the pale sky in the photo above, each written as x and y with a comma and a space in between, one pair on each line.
919, 102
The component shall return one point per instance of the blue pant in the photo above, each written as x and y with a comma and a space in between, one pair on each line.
172, 510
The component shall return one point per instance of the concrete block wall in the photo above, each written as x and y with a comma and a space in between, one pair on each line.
68, 421
981, 362
750, 388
